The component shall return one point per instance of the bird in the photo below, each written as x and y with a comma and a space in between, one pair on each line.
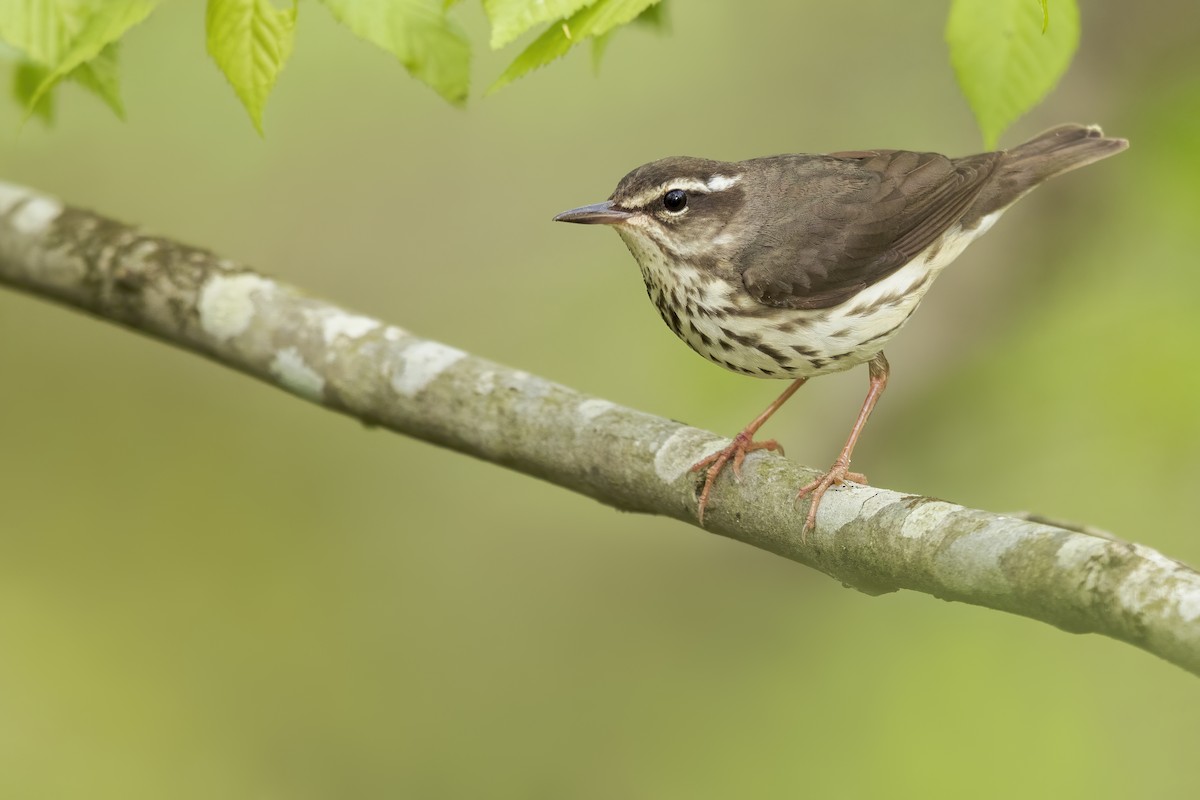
800, 265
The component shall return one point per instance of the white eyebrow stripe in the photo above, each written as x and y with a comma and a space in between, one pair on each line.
718, 183
687, 184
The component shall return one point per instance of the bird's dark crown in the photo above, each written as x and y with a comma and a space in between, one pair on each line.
643, 181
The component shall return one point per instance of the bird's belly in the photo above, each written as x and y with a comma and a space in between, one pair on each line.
725, 325
791, 343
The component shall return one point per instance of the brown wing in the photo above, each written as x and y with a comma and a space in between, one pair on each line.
833, 225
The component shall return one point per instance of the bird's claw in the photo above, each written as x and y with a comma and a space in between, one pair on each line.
838, 474
736, 452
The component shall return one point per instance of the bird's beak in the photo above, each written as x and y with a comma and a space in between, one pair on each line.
595, 214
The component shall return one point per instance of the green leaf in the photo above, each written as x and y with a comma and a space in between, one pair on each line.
27, 76
251, 40
511, 18
431, 46
1004, 63
44, 32
105, 22
42, 29
1045, 14
595, 20
653, 18
99, 76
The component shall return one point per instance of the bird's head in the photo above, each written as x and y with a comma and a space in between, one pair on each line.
688, 209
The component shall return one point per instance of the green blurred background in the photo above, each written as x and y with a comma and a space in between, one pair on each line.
211, 589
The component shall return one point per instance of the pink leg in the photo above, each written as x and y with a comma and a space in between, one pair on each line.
742, 444
840, 471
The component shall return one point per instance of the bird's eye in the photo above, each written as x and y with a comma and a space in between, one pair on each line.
675, 201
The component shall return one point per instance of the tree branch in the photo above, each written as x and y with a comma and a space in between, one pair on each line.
874, 539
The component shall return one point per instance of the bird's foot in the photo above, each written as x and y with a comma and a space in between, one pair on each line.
838, 474
736, 452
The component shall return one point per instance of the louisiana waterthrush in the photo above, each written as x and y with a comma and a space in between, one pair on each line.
794, 266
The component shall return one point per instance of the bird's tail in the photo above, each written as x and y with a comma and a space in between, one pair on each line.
1062, 149
1053, 152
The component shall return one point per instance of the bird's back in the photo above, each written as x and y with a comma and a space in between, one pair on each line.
830, 226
